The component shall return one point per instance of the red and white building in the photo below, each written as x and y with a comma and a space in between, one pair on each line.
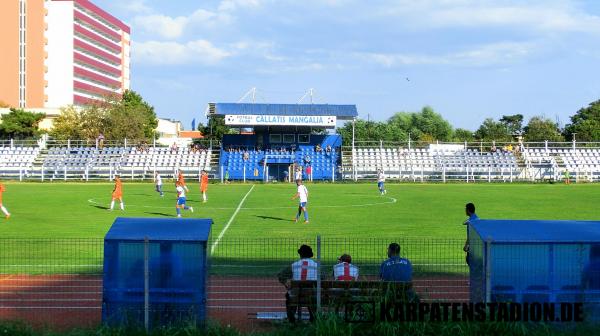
61, 52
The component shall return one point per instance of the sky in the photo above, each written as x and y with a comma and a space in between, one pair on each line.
468, 59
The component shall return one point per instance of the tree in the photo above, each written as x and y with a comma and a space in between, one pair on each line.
67, 125
541, 129
426, 124
137, 106
20, 124
513, 123
118, 118
586, 123
491, 130
461, 134
215, 128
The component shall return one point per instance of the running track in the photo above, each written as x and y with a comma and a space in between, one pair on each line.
66, 301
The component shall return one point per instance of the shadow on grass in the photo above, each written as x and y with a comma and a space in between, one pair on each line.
100, 207
159, 214
274, 218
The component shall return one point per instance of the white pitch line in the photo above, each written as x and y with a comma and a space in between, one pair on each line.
214, 245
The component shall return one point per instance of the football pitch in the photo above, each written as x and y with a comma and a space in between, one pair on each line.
52, 223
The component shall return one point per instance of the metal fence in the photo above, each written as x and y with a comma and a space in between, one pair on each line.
59, 281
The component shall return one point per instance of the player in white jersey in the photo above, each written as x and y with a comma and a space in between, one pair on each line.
181, 200
381, 182
158, 182
302, 193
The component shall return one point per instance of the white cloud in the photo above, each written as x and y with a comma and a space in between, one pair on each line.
174, 27
174, 53
538, 16
135, 6
231, 5
501, 53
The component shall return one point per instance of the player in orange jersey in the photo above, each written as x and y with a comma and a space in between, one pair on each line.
117, 193
2, 190
204, 185
181, 181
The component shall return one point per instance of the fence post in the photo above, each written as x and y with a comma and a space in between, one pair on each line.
68, 143
42, 177
489, 174
332, 174
20, 173
444, 173
488, 270
11, 143
221, 174
318, 274
244, 172
65, 172
146, 286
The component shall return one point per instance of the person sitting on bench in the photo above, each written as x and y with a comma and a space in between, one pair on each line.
395, 268
344, 270
303, 269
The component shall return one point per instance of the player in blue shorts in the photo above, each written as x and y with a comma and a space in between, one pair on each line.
381, 181
181, 200
302, 193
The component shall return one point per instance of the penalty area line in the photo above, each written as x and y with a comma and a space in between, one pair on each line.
214, 245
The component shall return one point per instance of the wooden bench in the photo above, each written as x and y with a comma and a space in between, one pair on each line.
340, 295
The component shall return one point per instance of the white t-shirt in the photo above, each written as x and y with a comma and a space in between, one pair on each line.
158, 180
303, 192
381, 177
304, 269
298, 175
180, 191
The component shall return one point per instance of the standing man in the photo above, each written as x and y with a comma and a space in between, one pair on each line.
6, 213
298, 174
381, 181
158, 181
181, 180
470, 212
117, 194
181, 200
301, 193
204, 185
567, 176
395, 268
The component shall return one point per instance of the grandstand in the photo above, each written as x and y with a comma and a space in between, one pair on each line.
269, 154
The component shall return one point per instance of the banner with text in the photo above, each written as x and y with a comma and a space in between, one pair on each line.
279, 120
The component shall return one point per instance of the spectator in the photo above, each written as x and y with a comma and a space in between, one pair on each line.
309, 173
174, 148
303, 269
306, 159
318, 148
328, 149
100, 140
286, 176
298, 174
469, 211
567, 176
246, 156
344, 270
395, 268
493, 149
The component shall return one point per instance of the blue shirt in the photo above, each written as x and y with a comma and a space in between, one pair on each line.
396, 269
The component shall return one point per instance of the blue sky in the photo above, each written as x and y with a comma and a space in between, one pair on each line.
467, 59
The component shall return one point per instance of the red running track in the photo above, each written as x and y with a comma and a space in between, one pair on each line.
67, 301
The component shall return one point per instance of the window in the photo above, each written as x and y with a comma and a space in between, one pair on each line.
275, 138
303, 138
289, 138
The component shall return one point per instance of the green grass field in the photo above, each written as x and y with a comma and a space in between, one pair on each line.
63, 216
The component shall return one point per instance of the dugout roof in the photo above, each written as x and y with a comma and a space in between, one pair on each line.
174, 229
340, 111
537, 231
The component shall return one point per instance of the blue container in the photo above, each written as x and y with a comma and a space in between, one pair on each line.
536, 261
177, 264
